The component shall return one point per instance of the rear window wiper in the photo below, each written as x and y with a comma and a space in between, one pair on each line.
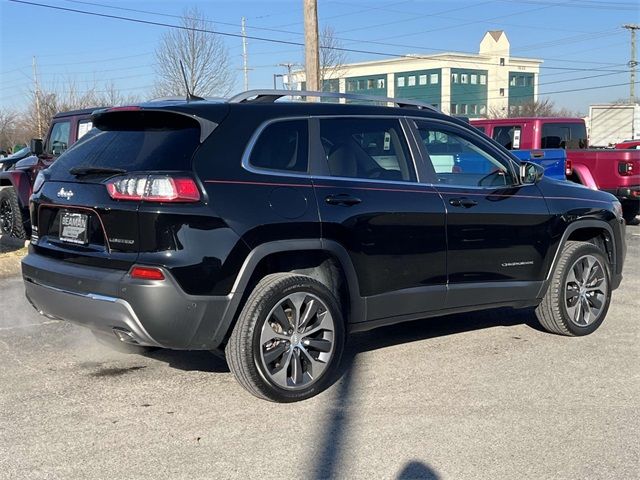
82, 171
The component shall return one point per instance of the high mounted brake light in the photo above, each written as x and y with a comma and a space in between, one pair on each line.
153, 188
126, 108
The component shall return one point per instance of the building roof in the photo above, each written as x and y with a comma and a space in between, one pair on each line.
496, 34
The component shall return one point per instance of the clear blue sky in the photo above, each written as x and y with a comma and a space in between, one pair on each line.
582, 35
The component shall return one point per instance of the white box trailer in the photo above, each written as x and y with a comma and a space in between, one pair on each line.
610, 124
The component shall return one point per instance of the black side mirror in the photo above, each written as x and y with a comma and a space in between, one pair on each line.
530, 173
36, 146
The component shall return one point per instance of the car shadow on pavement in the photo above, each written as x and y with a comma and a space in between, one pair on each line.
194, 360
441, 326
328, 458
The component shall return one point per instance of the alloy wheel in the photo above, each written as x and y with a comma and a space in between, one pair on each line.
6, 216
586, 291
297, 341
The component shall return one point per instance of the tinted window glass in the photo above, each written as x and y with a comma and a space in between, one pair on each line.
508, 136
458, 161
282, 146
135, 142
366, 148
564, 135
59, 139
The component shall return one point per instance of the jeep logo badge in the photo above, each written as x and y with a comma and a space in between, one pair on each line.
67, 194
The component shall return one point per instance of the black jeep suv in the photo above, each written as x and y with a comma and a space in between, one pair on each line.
271, 229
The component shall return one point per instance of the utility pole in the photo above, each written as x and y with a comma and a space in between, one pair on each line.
633, 63
311, 56
245, 68
37, 92
289, 66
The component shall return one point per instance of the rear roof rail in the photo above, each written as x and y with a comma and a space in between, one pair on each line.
270, 96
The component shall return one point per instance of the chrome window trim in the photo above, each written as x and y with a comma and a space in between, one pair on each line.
246, 164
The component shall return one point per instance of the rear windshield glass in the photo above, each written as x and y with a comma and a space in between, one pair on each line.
134, 141
564, 135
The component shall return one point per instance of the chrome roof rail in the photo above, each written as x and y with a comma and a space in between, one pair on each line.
270, 96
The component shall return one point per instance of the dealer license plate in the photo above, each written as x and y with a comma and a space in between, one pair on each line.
73, 228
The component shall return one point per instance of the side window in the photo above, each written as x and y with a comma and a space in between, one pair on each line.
58, 141
366, 148
564, 135
459, 161
83, 127
508, 136
282, 146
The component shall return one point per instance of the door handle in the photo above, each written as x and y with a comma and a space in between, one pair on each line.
462, 202
342, 199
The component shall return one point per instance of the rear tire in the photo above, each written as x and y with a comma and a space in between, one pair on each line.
579, 294
287, 343
630, 210
11, 221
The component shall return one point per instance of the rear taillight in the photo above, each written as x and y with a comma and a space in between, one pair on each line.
568, 170
146, 273
625, 168
153, 188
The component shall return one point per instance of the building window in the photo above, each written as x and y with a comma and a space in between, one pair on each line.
474, 79
483, 79
454, 78
380, 83
434, 79
361, 85
422, 79
351, 85
529, 80
463, 109
401, 81
473, 109
411, 81
454, 108
464, 78
483, 110
502, 61
512, 81
371, 84
502, 92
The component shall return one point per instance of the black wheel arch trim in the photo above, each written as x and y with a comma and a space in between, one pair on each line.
571, 228
357, 310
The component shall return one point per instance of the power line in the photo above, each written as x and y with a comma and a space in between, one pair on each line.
252, 37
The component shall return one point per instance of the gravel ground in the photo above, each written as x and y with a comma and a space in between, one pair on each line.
485, 395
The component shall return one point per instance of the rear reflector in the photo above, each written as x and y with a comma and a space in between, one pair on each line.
146, 273
153, 188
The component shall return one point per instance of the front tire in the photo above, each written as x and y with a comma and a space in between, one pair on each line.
287, 343
579, 294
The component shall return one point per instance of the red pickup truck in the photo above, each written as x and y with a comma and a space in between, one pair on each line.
612, 170
16, 179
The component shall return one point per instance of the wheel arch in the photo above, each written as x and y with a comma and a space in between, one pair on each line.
595, 231
303, 256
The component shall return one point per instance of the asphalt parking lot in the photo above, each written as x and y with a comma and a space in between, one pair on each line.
486, 395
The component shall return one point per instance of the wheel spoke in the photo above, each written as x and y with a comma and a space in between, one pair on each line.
281, 317
268, 334
296, 367
320, 344
578, 313
595, 302
297, 299
317, 366
311, 309
325, 322
586, 311
579, 271
571, 294
273, 354
280, 376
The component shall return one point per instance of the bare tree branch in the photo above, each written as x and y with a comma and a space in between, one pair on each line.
204, 55
332, 60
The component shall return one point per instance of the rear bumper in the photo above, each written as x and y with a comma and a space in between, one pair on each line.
143, 312
631, 192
